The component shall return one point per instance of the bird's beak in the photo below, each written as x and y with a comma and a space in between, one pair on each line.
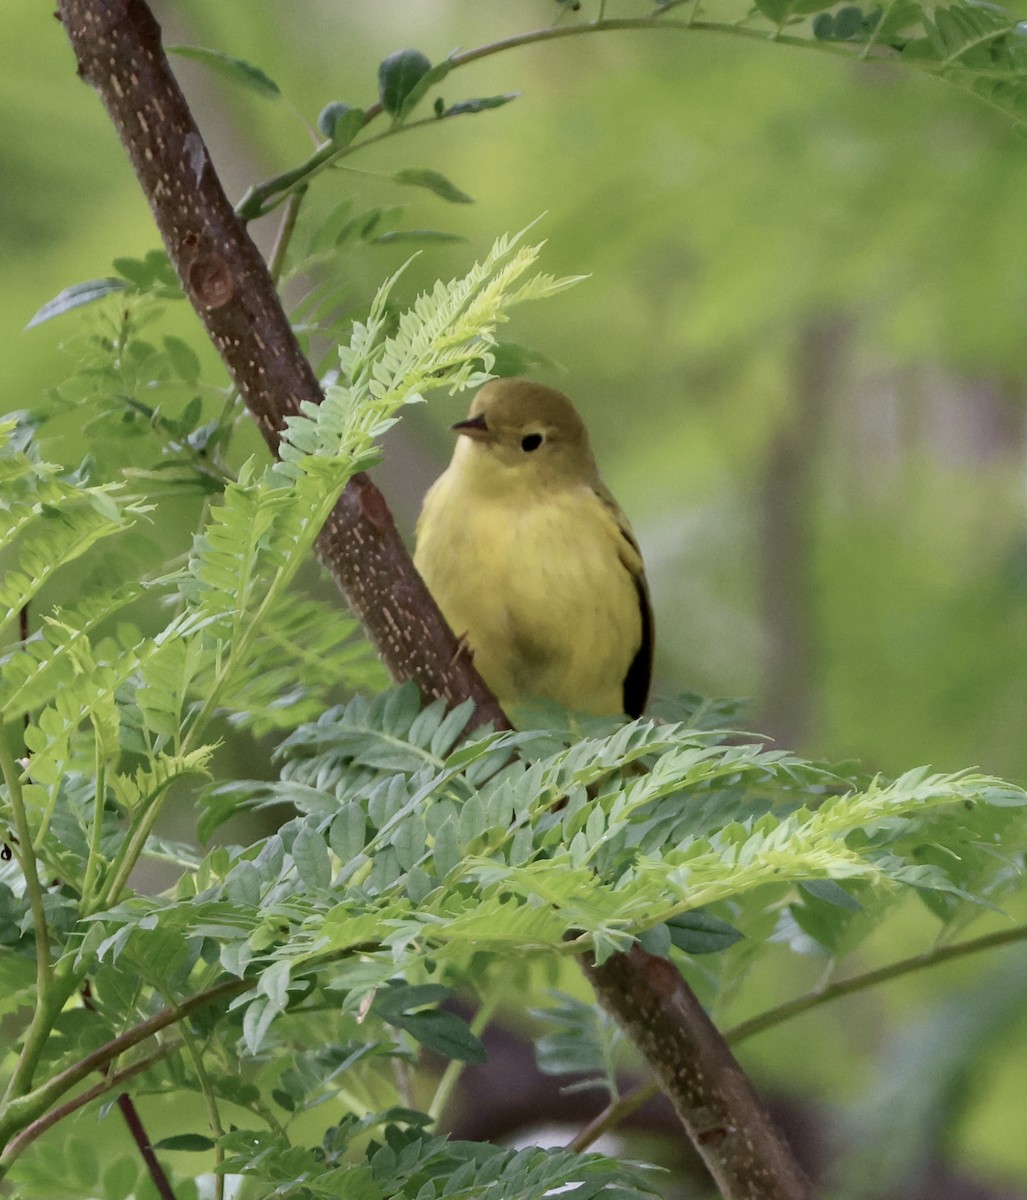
473, 427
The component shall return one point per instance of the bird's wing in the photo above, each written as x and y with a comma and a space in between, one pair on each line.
639, 675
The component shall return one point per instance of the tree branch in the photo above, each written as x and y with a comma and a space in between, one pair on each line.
117, 44
710, 1092
118, 47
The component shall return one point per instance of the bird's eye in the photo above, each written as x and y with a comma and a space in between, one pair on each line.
531, 441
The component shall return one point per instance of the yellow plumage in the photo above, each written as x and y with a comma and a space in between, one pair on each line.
530, 559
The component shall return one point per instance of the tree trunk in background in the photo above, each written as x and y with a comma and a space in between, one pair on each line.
786, 519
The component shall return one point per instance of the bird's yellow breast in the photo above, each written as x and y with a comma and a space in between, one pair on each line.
538, 583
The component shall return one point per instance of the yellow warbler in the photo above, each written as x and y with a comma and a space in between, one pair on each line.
532, 561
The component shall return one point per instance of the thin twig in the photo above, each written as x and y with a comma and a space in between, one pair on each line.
107, 1084
858, 983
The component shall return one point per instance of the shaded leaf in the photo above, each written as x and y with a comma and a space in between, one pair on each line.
434, 181
235, 69
185, 1141
395, 236
398, 75
479, 105
443, 1032
75, 296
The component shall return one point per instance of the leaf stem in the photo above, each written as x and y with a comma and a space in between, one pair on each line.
213, 1113
96, 833
285, 231
858, 983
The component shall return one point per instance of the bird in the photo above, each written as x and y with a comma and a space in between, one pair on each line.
531, 560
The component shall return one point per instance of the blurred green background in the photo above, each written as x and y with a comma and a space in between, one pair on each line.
799, 350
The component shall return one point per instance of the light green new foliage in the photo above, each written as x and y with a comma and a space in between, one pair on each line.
418, 853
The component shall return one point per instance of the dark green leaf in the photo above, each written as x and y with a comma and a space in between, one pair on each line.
656, 941
699, 932
160, 268
848, 22
395, 236
826, 923
398, 75
427, 81
236, 69
445, 1033
340, 123
185, 1141
480, 104
76, 296
831, 893
434, 182
400, 998
329, 116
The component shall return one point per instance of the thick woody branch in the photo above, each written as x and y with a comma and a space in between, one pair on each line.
118, 47
710, 1092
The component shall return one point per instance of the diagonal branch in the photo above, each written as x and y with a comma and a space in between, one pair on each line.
118, 47
711, 1094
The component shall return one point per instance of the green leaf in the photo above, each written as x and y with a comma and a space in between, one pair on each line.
76, 296
340, 123
479, 105
84, 1160
347, 834
427, 81
120, 1178
699, 932
330, 115
831, 893
184, 363
310, 854
235, 69
415, 236
400, 998
398, 75
582, 1043
774, 10
185, 1141
443, 1032
434, 181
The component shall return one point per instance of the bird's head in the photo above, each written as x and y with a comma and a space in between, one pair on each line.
520, 429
